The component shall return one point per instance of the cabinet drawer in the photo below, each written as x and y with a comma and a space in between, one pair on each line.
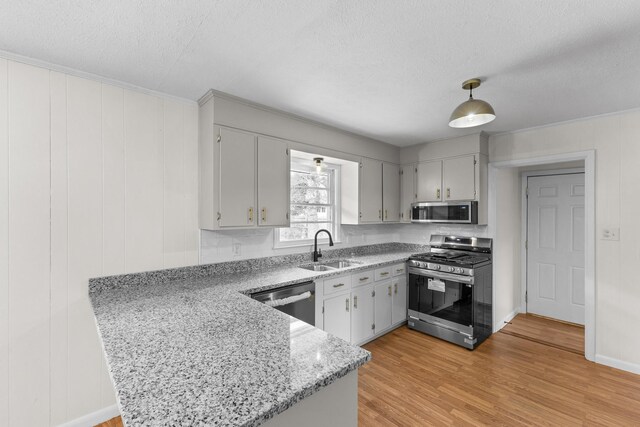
362, 278
383, 273
336, 284
398, 269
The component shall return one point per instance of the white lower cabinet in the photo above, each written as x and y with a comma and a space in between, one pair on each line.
399, 300
337, 316
383, 304
364, 305
362, 314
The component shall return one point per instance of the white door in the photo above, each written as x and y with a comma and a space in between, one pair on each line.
237, 178
384, 292
429, 181
399, 308
555, 254
362, 314
371, 191
459, 178
390, 192
407, 191
273, 182
337, 319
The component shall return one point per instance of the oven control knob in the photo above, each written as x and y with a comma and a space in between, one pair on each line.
436, 267
459, 270
452, 269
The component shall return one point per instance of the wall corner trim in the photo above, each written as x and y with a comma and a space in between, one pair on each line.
508, 318
618, 364
94, 418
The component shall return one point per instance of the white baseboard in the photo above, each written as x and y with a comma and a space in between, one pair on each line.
618, 364
94, 418
506, 320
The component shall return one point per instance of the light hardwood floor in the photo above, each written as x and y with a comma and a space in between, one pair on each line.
566, 336
418, 380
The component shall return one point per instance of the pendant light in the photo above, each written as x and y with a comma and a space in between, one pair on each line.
318, 163
472, 112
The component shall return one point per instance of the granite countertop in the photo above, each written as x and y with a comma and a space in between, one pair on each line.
188, 346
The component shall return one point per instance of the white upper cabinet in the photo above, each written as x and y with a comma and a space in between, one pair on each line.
429, 181
390, 192
370, 190
459, 178
273, 182
407, 191
237, 177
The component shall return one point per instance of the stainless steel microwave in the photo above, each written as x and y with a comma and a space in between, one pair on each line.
445, 212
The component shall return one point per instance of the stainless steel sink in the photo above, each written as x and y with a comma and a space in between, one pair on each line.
330, 265
316, 267
340, 264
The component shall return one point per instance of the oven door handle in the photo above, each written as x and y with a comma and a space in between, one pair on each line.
440, 275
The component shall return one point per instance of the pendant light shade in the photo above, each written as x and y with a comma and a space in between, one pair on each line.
473, 112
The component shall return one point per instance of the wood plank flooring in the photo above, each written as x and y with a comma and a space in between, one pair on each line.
566, 336
418, 380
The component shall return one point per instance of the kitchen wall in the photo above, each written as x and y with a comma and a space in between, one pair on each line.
616, 141
217, 246
94, 180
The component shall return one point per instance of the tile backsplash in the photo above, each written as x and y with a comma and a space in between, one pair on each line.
228, 245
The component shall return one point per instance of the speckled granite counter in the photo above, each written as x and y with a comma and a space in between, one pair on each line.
187, 347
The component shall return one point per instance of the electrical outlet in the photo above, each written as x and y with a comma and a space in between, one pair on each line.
611, 233
235, 248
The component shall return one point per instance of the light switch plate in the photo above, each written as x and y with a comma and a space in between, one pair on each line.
235, 248
611, 233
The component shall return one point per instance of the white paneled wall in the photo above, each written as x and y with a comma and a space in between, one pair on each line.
94, 180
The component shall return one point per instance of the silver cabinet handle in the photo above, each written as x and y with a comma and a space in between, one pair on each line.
399, 270
386, 214
264, 215
362, 279
347, 304
389, 290
355, 301
384, 273
379, 213
338, 285
395, 288
448, 193
437, 193
250, 214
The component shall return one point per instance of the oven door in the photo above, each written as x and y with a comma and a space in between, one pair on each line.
442, 299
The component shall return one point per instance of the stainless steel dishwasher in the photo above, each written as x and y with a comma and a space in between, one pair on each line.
297, 300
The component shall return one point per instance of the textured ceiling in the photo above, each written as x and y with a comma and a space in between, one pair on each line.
389, 69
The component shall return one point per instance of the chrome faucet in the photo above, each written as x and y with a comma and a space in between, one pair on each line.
317, 253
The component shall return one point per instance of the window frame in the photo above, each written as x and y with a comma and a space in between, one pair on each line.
334, 193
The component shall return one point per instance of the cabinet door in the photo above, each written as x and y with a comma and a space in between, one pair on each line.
273, 182
390, 192
399, 304
383, 297
407, 191
371, 191
429, 181
337, 319
237, 178
459, 178
362, 314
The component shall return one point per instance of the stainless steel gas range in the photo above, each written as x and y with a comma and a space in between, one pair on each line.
450, 290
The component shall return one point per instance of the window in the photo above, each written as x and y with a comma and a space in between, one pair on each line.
314, 205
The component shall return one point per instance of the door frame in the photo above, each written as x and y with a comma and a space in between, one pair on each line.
524, 223
589, 158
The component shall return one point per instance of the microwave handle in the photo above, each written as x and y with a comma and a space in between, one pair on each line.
440, 275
